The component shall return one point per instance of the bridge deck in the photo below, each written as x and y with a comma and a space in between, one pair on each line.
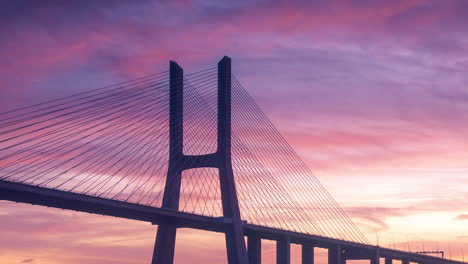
23, 193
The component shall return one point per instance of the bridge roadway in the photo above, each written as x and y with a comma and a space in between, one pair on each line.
29, 194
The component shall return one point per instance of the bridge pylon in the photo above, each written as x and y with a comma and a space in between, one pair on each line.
221, 159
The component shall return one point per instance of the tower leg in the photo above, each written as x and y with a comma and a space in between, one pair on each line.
235, 244
164, 247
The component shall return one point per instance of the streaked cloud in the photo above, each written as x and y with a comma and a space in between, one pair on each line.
462, 217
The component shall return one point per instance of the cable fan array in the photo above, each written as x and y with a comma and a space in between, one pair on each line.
110, 142
275, 187
113, 143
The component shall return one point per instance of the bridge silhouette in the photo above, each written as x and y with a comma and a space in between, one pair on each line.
172, 150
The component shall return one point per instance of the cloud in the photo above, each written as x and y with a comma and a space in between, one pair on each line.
462, 217
376, 216
111, 33
453, 96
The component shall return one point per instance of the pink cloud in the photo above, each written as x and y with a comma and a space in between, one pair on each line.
462, 217
147, 44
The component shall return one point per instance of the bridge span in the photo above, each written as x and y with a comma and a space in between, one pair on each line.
102, 152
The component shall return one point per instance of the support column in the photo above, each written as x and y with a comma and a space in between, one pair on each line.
405, 261
388, 261
375, 257
307, 254
235, 244
254, 249
165, 239
283, 251
334, 255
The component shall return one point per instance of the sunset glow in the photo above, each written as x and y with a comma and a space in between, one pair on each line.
373, 95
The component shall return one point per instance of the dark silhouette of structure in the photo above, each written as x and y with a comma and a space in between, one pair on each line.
169, 218
221, 159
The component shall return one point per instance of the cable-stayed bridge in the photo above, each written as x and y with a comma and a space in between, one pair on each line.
179, 151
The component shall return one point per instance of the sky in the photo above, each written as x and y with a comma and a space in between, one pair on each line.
372, 94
